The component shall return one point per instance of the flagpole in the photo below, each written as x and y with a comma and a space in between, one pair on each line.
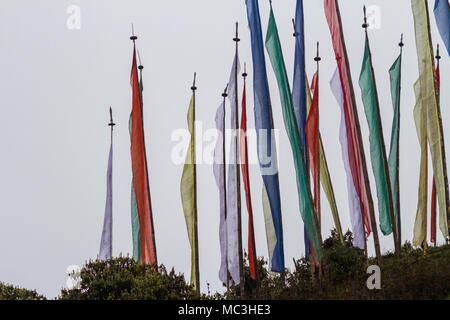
134, 38
438, 106
438, 94
197, 267
383, 148
397, 173
317, 182
224, 95
238, 178
360, 145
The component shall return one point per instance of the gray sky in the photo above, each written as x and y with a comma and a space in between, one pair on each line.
56, 86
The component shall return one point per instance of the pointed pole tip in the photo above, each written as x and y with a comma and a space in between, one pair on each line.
193, 87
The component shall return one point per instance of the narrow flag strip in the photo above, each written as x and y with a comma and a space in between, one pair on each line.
106, 241
420, 116
312, 136
353, 199
219, 175
140, 173
433, 190
427, 95
232, 196
252, 260
325, 178
187, 188
393, 162
305, 200
442, 15
377, 151
354, 152
266, 142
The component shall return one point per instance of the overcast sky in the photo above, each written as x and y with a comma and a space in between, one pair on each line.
56, 85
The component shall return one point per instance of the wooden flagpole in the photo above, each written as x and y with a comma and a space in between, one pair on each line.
317, 182
224, 95
197, 267
444, 161
238, 177
397, 170
383, 147
438, 94
360, 144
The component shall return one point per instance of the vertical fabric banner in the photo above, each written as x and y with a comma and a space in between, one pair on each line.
427, 95
433, 190
377, 154
266, 142
252, 262
299, 91
187, 189
219, 175
354, 152
232, 196
304, 193
420, 116
325, 178
140, 172
394, 76
106, 241
442, 15
353, 199
312, 137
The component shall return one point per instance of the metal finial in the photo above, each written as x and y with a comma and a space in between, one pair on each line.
140, 67
365, 24
111, 122
317, 58
133, 37
236, 39
293, 25
401, 44
245, 70
193, 88
224, 94
437, 53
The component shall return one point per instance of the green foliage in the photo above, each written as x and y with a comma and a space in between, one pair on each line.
125, 279
414, 274
10, 292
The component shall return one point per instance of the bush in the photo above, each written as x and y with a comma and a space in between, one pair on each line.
125, 279
10, 292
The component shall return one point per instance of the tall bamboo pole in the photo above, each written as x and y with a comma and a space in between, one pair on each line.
438, 94
397, 170
360, 144
444, 161
238, 176
197, 267
383, 147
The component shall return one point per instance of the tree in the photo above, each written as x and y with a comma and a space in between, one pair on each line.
125, 279
10, 292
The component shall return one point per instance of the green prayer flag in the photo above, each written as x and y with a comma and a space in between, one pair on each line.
394, 75
304, 193
367, 86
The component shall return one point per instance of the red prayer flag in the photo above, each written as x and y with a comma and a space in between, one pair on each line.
140, 174
245, 177
311, 130
433, 192
354, 154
